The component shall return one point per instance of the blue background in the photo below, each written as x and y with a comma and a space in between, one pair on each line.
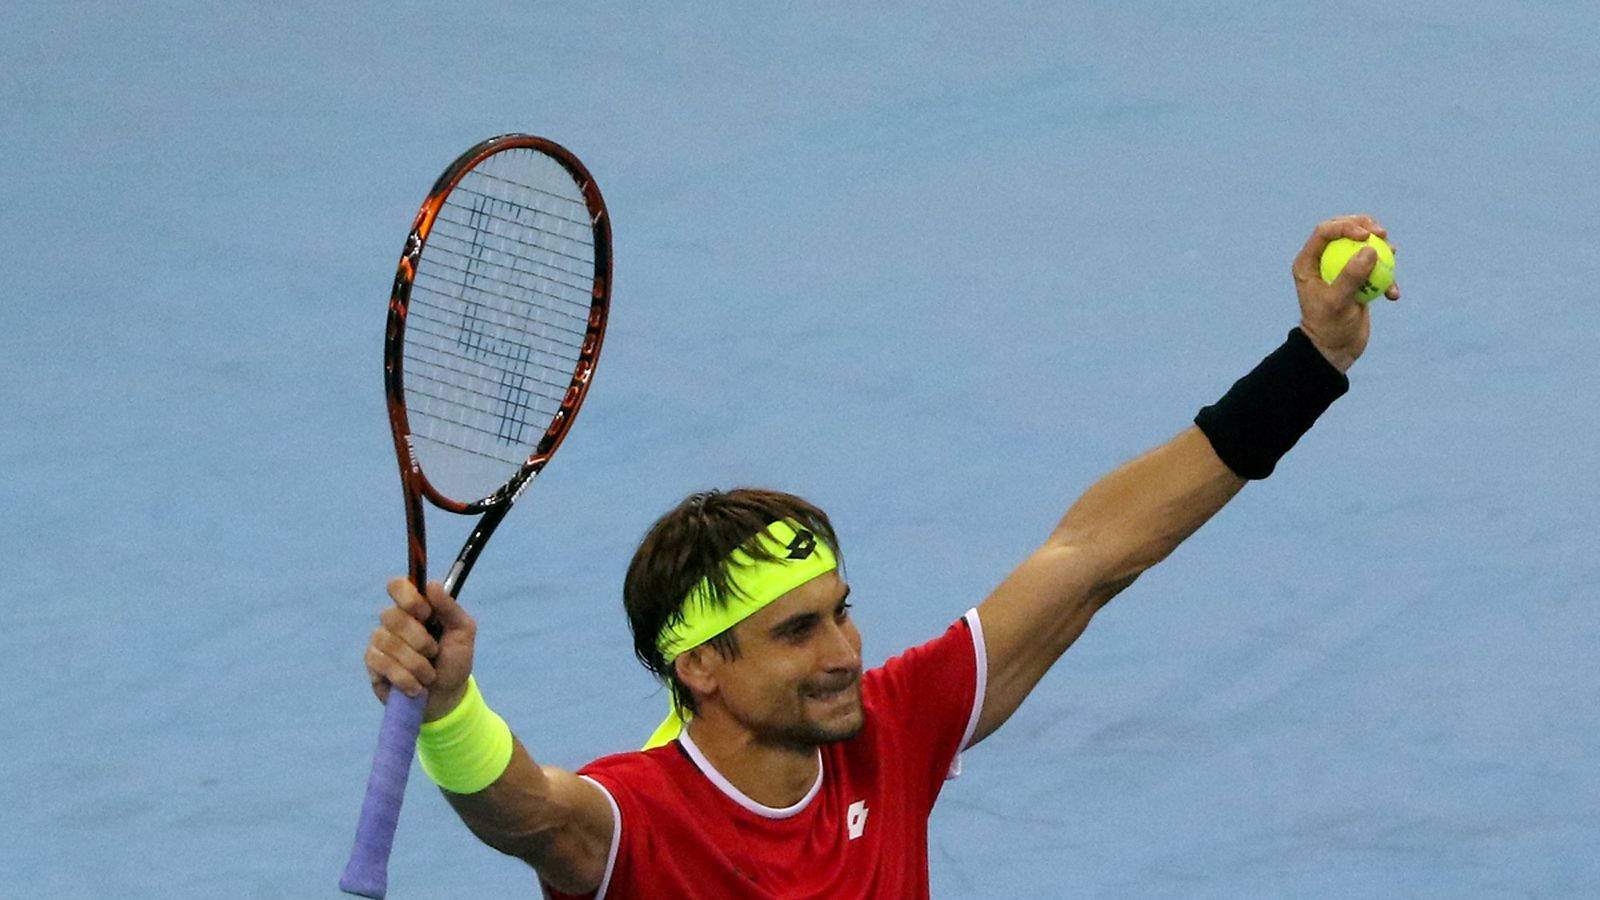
934, 266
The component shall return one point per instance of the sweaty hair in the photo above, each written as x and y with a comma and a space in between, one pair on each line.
691, 542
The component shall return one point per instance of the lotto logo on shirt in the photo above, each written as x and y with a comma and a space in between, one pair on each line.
856, 821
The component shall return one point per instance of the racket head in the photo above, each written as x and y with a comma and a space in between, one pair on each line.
496, 319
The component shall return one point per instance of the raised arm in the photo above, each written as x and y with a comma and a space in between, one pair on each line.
1134, 517
555, 821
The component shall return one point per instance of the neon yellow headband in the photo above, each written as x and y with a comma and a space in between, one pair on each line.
754, 583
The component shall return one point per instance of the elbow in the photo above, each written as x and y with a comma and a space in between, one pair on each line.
1111, 566
1107, 589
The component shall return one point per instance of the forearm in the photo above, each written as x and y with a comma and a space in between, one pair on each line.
553, 820
1122, 525
513, 812
1135, 516
509, 812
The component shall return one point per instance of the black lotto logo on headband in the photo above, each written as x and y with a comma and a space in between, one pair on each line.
800, 548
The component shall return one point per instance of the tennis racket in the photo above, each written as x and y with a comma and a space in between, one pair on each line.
496, 317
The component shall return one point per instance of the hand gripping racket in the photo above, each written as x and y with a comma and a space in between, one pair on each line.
495, 321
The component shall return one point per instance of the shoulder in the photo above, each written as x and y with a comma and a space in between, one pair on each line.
923, 704
950, 659
656, 762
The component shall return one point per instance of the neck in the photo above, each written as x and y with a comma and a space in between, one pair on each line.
773, 775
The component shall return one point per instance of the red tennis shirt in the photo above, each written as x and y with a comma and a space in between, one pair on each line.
682, 830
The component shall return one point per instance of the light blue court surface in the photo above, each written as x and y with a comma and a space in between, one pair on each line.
934, 267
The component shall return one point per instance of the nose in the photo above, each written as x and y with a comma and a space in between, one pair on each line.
841, 646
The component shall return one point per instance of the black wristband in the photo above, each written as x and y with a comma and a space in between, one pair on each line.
1265, 412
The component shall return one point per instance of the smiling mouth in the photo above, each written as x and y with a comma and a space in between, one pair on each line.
835, 694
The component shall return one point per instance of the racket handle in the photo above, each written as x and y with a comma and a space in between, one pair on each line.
367, 872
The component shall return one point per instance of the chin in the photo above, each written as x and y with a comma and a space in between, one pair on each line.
846, 731
812, 732
841, 726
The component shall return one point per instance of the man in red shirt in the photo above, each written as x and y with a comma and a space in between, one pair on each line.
798, 775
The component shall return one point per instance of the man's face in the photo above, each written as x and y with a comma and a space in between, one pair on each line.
797, 678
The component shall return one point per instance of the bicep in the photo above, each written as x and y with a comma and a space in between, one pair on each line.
573, 857
556, 821
1030, 620
1125, 523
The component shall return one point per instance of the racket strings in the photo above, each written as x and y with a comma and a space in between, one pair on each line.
508, 409
513, 356
577, 209
577, 296
436, 294
497, 321
496, 210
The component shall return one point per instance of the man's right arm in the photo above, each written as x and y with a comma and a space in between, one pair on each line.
552, 819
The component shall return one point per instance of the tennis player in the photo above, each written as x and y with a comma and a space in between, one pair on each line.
783, 769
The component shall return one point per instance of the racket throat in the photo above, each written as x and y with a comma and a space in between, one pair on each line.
452, 578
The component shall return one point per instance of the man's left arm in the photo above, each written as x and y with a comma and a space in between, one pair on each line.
1138, 514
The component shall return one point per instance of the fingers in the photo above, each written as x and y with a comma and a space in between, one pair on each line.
1354, 227
1359, 268
1393, 293
1356, 272
404, 652
386, 672
450, 613
406, 596
400, 651
403, 629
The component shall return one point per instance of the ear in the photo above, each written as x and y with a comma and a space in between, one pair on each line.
698, 670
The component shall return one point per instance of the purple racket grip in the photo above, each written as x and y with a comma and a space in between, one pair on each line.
367, 872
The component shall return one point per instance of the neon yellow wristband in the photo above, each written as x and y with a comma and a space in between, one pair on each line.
468, 748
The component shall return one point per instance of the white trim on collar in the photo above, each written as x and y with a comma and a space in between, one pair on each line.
738, 796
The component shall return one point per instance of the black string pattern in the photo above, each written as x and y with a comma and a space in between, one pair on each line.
497, 317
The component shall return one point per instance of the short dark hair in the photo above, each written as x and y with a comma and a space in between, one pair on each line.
692, 542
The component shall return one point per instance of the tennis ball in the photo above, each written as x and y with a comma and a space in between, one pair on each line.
1338, 253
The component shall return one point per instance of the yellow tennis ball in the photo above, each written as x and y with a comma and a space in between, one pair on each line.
1338, 253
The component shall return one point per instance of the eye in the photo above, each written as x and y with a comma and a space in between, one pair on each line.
797, 630
843, 612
